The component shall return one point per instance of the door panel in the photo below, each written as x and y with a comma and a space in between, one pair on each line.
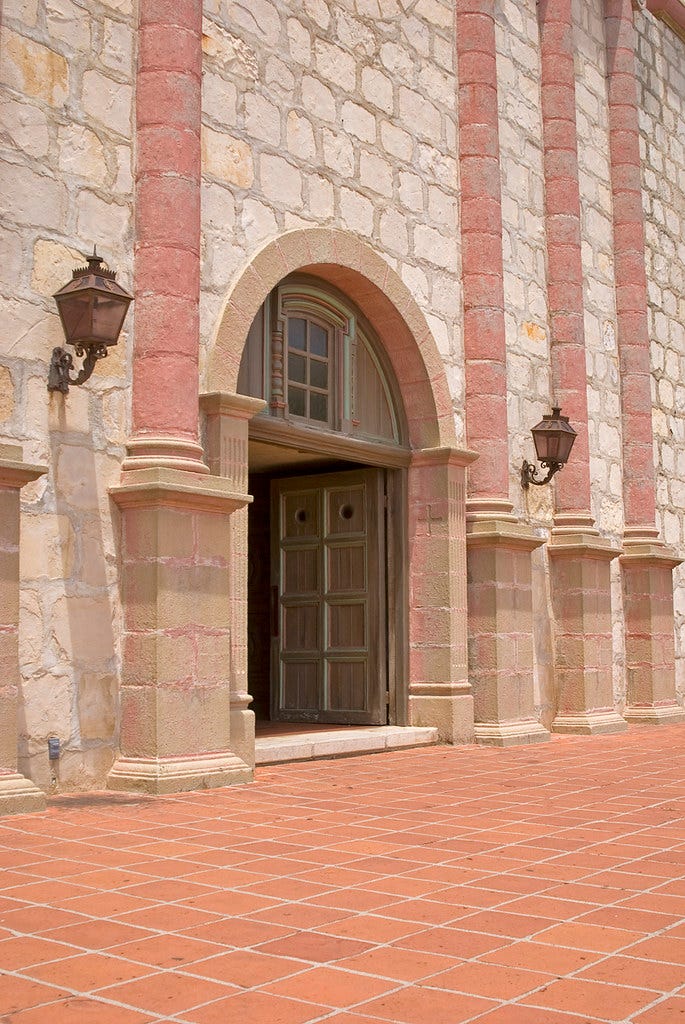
329, 642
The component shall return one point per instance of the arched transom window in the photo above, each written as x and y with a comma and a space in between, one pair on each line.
317, 364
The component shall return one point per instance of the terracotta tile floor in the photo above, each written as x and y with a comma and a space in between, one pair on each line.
536, 885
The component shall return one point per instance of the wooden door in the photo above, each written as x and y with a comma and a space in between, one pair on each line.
329, 633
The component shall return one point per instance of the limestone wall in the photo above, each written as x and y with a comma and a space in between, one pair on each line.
339, 115
314, 113
65, 184
661, 71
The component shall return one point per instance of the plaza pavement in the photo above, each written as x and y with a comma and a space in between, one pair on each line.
535, 885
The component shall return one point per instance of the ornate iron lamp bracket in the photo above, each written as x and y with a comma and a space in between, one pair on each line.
529, 473
62, 363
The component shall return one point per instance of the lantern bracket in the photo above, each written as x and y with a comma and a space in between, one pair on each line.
62, 362
529, 473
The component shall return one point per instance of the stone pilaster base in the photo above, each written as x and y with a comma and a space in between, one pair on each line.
439, 688
647, 579
19, 795
178, 774
500, 624
510, 734
176, 665
447, 709
580, 579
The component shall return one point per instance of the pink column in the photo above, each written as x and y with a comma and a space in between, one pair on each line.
647, 565
500, 646
564, 263
167, 252
482, 272
580, 561
630, 275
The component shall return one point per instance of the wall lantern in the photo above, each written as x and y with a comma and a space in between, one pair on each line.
553, 437
92, 307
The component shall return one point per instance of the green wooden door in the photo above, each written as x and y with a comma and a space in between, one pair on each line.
329, 632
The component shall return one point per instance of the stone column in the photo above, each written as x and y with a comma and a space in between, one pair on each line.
176, 573
495, 539
227, 418
646, 565
167, 248
580, 560
18, 795
176, 657
439, 689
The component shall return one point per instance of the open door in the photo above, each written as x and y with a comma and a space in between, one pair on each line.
329, 646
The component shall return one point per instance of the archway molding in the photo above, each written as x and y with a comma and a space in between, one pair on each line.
353, 267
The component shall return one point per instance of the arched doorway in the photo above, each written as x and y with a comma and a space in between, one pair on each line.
327, 527
417, 456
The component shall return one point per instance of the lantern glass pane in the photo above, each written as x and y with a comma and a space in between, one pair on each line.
108, 317
75, 311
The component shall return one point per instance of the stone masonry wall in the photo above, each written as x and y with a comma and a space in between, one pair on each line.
661, 72
65, 170
339, 115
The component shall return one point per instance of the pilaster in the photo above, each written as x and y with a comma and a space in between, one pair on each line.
580, 581
227, 418
439, 688
500, 625
647, 582
176, 657
18, 795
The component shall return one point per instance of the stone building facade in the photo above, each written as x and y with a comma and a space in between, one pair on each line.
487, 200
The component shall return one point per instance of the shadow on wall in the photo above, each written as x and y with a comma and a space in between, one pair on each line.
70, 691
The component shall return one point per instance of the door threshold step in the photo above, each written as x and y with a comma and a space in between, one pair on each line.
313, 743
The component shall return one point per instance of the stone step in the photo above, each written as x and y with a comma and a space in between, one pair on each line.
312, 743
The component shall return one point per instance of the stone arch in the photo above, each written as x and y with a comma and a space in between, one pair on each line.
355, 269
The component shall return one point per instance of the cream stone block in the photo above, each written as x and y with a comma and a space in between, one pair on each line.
84, 631
82, 154
228, 52
338, 153
92, 213
7, 402
117, 46
47, 704
258, 221
226, 158
52, 265
377, 88
97, 696
34, 70
108, 102
26, 125
29, 198
24, 11
318, 99
219, 98
299, 42
65, 21
357, 121
396, 141
300, 137
356, 211
376, 173
335, 65
262, 119
281, 181
47, 547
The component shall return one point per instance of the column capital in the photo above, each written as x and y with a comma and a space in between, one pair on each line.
173, 488
226, 403
14, 472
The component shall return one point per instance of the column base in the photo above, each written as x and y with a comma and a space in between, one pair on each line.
18, 795
161, 775
451, 714
600, 723
654, 714
503, 734
242, 733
